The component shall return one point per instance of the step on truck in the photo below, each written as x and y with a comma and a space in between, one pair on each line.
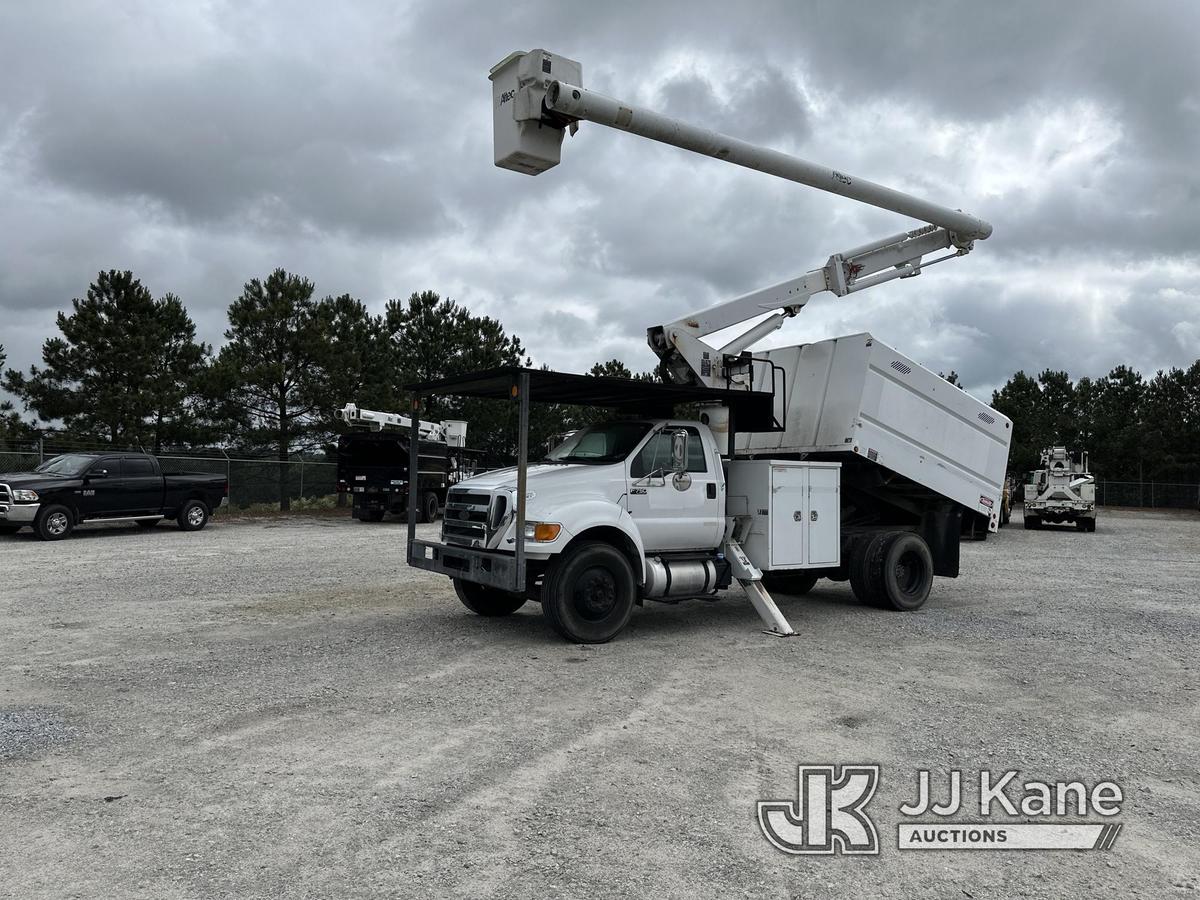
838, 459
372, 463
1061, 491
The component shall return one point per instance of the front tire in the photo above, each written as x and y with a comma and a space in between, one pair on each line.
487, 601
54, 523
794, 584
589, 593
193, 516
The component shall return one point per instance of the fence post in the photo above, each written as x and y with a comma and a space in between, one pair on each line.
41, 450
228, 474
302, 478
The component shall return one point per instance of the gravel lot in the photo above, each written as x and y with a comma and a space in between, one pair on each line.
279, 708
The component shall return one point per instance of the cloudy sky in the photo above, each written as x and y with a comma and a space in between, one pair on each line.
204, 144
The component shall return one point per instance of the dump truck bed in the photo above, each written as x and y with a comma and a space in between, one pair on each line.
856, 395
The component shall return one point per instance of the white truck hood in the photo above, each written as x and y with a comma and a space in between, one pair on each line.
562, 481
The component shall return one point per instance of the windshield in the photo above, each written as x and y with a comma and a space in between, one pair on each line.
609, 442
67, 464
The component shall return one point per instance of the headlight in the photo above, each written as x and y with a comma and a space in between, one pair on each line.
542, 532
25, 496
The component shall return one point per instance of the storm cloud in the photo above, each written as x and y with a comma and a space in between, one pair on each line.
204, 145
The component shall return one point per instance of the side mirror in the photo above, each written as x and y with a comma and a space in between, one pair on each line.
679, 451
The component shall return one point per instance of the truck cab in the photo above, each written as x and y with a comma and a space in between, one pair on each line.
617, 474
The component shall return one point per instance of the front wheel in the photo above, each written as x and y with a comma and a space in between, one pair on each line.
193, 516
487, 601
54, 523
589, 593
794, 584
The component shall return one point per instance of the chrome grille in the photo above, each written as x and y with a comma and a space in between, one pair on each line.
465, 519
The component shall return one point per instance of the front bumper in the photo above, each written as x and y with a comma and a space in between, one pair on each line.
18, 513
495, 569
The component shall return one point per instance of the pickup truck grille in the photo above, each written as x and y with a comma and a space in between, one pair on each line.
466, 520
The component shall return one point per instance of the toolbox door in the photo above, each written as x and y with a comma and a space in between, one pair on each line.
824, 514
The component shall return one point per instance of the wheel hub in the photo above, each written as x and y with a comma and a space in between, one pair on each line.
595, 594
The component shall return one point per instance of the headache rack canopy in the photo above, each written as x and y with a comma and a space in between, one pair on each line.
748, 411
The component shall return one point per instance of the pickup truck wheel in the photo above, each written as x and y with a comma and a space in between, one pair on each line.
862, 557
794, 584
429, 507
903, 569
54, 523
487, 601
589, 593
193, 516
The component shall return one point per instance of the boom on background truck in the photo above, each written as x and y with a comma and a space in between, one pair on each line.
372, 463
841, 459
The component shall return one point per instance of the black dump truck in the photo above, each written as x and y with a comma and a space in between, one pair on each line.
75, 488
372, 463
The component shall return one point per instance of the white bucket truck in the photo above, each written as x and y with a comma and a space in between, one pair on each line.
840, 459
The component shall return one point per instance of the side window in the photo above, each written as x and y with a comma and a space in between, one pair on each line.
111, 465
137, 468
656, 454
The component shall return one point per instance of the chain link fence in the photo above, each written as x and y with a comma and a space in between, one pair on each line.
251, 481
1148, 494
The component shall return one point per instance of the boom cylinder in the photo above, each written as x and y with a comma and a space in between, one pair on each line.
576, 102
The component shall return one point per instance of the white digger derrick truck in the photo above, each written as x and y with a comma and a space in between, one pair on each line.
1062, 490
841, 459
372, 463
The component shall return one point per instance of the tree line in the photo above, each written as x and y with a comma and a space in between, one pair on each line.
126, 370
1134, 428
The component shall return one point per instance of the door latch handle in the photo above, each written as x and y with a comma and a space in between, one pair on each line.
813, 515
798, 516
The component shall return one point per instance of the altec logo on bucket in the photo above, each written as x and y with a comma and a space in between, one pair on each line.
829, 814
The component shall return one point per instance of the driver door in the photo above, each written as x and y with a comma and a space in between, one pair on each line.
675, 513
103, 489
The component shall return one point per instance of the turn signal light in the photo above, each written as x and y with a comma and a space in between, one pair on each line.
546, 531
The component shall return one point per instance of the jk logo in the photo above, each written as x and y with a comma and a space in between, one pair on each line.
827, 816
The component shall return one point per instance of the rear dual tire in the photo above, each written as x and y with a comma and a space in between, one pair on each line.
892, 570
793, 584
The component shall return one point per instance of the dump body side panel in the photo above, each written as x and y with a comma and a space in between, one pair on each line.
856, 395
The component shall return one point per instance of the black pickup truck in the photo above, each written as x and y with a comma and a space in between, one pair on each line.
93, 487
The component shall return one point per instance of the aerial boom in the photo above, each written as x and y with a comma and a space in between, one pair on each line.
578, 103
538, 96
